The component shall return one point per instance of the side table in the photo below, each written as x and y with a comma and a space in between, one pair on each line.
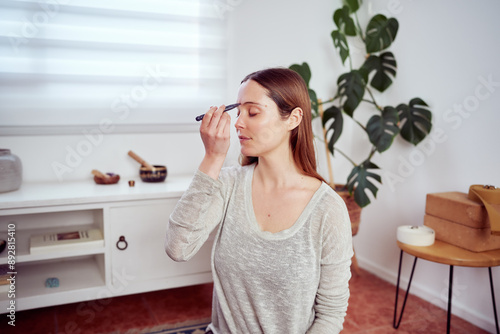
445, 253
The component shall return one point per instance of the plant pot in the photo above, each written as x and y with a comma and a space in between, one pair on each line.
352, 207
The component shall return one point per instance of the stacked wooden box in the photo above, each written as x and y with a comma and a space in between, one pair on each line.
460, 221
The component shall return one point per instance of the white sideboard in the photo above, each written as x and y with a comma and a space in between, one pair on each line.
133, 222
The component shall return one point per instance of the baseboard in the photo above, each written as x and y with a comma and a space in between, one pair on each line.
419, 290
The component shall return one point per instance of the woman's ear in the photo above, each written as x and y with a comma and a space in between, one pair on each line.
295, 118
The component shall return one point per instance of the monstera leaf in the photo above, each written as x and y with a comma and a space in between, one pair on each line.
377, 73
340, 42
314, 102
359, 181
416, 120
380, 33
305, 72
352, 4
343, 21
384, 67
382, 129
333, 131
351, 89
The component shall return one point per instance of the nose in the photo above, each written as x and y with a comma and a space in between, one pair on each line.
239, 123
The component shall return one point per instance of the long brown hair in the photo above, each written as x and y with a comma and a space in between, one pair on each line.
289, 91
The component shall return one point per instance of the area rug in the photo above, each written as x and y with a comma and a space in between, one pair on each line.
192, 329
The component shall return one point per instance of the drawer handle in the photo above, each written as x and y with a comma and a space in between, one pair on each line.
120, 241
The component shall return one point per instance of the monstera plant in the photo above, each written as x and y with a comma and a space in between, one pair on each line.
360, 86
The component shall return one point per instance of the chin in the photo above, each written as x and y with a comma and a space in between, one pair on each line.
248, 153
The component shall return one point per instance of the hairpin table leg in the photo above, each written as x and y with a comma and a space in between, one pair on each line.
450, 293
394, 324
493, 299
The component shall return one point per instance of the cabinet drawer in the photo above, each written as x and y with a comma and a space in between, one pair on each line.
138, 252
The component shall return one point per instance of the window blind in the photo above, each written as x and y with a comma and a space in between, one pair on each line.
79, 63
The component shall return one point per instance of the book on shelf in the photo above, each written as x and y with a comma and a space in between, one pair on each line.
4, 282
66, 241
4, 269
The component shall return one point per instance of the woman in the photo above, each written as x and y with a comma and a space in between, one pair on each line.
281, 257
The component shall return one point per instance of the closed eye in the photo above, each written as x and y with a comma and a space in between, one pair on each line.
250, 112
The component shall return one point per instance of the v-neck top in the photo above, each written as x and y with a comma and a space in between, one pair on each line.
291, 281
248, 179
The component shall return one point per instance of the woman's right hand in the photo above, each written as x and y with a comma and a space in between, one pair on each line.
214, 131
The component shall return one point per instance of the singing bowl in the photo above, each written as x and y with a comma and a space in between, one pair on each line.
157, 174
112, 179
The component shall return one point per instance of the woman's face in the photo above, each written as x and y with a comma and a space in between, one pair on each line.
260, 128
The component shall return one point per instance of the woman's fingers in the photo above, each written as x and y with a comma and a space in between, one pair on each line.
215, 119
214, 130
207, 119
224, 121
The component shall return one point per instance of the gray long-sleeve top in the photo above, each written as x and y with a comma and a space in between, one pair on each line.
294, 281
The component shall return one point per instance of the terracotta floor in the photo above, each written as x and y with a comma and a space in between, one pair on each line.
370, 310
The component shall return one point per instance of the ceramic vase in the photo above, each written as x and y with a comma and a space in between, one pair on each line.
11, 171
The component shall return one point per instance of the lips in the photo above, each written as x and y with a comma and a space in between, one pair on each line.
243, 138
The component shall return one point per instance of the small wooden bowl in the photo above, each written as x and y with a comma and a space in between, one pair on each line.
157, 174
112, 179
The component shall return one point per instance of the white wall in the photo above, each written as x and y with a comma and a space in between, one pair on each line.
69, 158
445, 51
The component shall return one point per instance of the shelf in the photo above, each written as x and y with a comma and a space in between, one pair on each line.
23, 245
36, 195
80, 274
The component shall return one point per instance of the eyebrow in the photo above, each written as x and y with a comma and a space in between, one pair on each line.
254, 103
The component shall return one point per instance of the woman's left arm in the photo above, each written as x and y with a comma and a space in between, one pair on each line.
333, 291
